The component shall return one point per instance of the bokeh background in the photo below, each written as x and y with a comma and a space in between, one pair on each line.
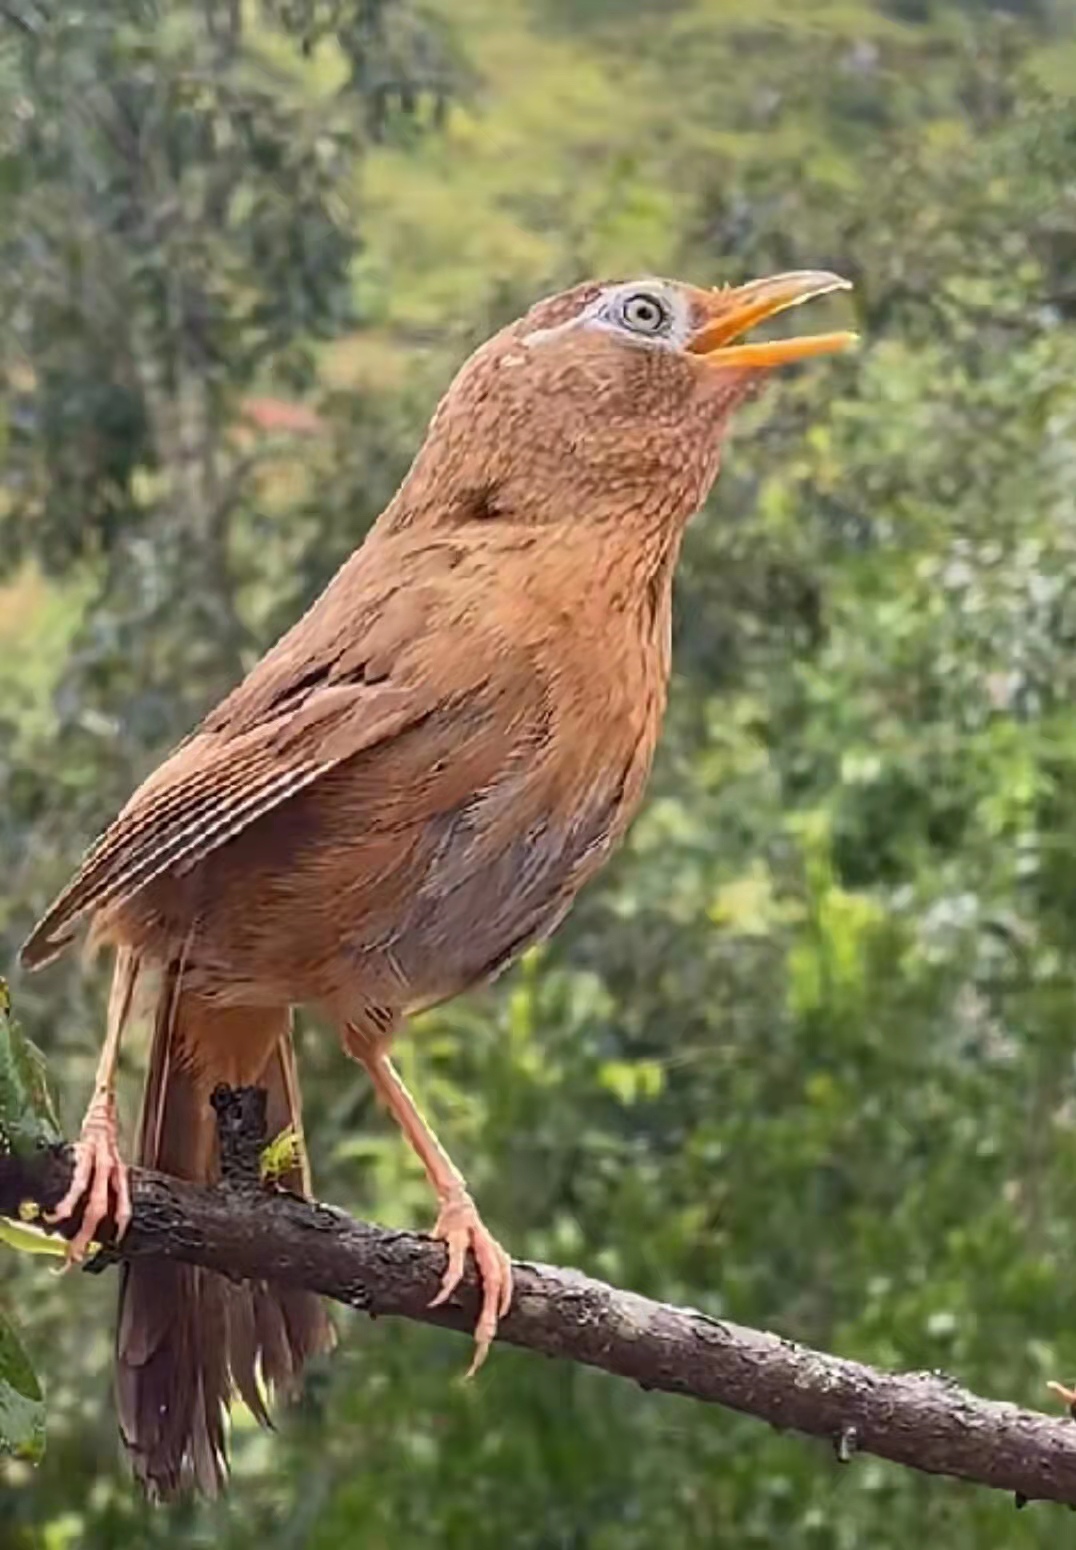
804, 1055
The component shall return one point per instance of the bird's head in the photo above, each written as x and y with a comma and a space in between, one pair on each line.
606, 403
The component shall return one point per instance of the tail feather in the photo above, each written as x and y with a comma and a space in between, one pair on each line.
189, 1339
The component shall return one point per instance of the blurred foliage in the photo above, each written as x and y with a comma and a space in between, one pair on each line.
27, 1114
27, 1121
804, 1056
22, 1407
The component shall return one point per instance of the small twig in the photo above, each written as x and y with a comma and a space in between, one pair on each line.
922, 1420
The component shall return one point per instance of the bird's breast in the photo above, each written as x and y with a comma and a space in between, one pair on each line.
505, 865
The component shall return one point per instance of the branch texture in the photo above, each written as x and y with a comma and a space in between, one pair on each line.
923, 1420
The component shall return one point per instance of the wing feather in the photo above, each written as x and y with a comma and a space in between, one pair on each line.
211, 790
354, 672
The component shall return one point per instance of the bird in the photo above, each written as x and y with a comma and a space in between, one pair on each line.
408, 790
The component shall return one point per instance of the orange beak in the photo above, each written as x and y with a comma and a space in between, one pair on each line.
731, 311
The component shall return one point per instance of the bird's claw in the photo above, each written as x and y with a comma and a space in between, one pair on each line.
460, 1228
100, 1178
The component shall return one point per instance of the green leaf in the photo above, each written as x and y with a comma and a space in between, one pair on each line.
280, 1155
22, 1405
27, 1115
31, 1240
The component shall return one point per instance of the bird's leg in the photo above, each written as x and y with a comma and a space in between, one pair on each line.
458, 1224
100, 1172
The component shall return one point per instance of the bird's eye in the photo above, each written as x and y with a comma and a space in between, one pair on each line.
644, 313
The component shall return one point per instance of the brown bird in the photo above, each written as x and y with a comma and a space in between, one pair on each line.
404, 793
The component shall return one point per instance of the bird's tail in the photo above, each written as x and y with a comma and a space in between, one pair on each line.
187, 1338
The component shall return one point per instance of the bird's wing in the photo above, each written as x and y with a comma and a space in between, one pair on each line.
349, 676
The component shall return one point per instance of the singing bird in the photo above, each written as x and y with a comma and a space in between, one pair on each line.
403, 794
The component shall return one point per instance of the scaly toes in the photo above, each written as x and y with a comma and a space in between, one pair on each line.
100, 1176
80, 1178
121, 1183
457, 1245
495, 1269
460, 1228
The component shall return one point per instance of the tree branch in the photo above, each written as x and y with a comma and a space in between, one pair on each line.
923, 1420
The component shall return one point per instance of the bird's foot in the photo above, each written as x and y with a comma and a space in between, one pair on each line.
460, 1228
100, 1177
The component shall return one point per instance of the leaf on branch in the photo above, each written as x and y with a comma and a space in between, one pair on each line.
28, 1119
32, 1240
281, 1154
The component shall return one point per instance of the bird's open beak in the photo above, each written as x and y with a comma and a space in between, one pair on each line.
733, 310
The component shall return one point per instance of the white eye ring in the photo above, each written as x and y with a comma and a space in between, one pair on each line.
644, 313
